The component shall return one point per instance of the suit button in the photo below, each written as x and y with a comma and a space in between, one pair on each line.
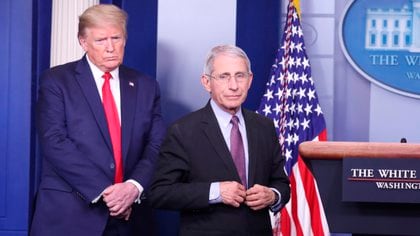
112, 166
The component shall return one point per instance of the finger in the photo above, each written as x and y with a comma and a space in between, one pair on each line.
127, 214
253, 190
230, 200
109, 196
239, 199
235, 203
108, 190
250, 192
240, 196
114, 209
110, 202
252, 197
117, 212
106, 198
253, 203
241, 187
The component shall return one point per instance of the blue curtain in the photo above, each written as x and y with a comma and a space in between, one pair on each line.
41, 41
141, 45
257, 33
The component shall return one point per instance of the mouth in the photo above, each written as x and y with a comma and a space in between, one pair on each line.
233, 97
110, 58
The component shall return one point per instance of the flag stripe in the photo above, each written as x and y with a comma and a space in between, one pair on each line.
294, 203
285, 224
311, 196
323, 135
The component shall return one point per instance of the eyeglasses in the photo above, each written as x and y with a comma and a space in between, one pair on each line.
225, 77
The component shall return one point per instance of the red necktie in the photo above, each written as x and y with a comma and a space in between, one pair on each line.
114, 127
237, 149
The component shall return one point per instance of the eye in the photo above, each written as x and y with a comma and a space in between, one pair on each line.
100, 41
116, 38
240, 75
224, 76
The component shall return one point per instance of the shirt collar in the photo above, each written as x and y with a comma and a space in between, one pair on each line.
224, 117
97, 73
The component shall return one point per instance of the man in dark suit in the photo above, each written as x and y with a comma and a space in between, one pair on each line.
100, 130
221, 166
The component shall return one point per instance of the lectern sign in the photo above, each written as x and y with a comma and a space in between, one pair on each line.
381, 180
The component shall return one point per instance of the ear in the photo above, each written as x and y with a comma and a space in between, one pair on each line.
205, 81
83, 43
251, 76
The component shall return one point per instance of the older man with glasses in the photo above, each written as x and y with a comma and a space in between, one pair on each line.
221, 166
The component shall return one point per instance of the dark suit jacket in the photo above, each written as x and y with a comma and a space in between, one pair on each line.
194, 154
78, 162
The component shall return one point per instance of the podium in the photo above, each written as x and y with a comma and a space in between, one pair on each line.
325, 159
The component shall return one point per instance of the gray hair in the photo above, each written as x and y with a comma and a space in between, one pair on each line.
99, 14
230, 50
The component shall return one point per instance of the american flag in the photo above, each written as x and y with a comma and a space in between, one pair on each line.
291, 102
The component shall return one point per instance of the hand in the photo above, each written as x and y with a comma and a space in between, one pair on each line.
126, 214
259, 197
119, 198
232, 193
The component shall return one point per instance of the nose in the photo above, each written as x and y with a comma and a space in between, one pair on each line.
232, 83
109, 45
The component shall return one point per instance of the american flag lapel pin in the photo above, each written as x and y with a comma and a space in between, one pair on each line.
131, 84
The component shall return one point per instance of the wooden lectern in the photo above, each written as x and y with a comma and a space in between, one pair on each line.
365, 218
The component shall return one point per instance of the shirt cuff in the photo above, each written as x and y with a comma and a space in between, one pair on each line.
139, 187
214, 194
97, 198
277, 205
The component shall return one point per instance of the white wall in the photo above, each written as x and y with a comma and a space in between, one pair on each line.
187, 30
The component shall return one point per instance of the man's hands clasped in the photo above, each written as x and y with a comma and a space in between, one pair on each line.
257, 197
119, 198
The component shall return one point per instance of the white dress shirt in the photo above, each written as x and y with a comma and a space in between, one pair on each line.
114, 84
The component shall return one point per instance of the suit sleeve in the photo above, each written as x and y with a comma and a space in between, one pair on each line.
63, 159
145, 167
170, 188
279, 180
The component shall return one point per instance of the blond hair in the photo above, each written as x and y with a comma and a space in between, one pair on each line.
100, 14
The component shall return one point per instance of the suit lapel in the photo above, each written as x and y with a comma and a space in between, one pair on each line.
215, 137
87, 84
128, 90
251, 134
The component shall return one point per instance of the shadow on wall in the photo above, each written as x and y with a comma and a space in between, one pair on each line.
172, 105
